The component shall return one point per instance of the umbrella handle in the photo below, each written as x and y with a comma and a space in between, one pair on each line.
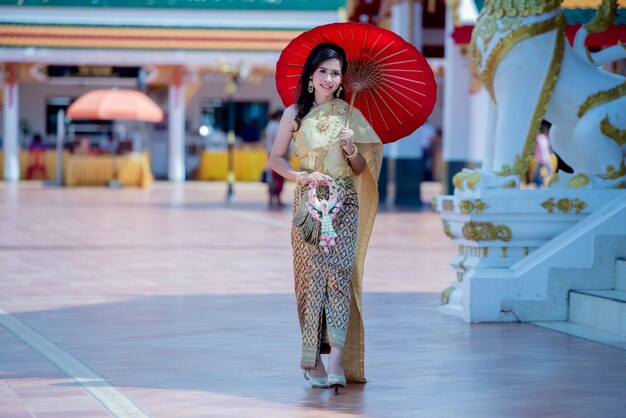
350, 108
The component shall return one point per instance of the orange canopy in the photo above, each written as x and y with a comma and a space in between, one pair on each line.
115, 104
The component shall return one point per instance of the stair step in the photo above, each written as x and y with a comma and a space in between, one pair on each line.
620, 274
614, 295
601, 309
585, 332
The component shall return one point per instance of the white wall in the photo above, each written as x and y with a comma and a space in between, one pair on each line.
436, 117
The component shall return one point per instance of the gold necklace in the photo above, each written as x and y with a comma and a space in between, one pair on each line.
322, 119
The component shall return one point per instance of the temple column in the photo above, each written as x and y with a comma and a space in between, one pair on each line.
456, 99
403, 165
176, 128
10, 135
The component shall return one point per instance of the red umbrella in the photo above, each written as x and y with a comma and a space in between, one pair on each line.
115, 104
390, 82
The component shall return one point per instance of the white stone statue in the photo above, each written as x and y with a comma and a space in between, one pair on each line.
522, 56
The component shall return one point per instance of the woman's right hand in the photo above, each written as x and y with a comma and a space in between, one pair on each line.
315, 178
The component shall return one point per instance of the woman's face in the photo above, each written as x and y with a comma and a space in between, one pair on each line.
327, 78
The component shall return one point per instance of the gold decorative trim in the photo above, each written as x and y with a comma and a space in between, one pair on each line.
461, 265
589, 57
486, 231
485, 29
564, 205
475, 57
473, 178
469, 251
549, 205
552, 75
554, 179
621, 185
602, 97
488, 26
446, 229
85, 36
506, 43
467, 206
504, 252
525, 251
518, 164
522, 8
605, 15
612, 174
457, 180
445, 295
579, 180
617, 135
433, 203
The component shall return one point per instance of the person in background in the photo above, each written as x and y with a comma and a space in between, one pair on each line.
107, 143
543, 156
274, 180
37, 143
36, 158
83, 146
427, 134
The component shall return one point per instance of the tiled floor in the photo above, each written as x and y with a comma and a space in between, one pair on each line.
170, 303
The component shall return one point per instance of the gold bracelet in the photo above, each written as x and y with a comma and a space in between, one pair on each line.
300, 174
354, 153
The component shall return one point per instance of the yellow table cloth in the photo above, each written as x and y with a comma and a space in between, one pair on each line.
98, 170
26, 158
249, 164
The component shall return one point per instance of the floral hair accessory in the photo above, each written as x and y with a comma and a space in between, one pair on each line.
324, 211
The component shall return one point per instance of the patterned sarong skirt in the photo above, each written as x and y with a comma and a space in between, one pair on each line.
322, 281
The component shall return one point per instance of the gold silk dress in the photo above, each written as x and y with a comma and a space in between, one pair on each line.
328, 286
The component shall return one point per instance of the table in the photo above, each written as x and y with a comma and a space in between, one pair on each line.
98, 170
249, 164
28, 158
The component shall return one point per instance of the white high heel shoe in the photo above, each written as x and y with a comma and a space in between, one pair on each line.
336, 382
316, 382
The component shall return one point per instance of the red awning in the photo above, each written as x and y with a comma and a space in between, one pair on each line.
616, 33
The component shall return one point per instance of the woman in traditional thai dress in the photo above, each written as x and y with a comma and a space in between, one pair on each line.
335, 203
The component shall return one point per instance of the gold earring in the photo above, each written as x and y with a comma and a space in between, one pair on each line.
310, 86
338, 91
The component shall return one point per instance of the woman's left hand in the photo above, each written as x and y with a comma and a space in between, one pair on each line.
346, 135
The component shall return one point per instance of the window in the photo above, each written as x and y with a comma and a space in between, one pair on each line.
88, 127
249, 119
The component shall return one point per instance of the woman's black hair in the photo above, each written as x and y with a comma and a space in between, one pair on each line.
318, 55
